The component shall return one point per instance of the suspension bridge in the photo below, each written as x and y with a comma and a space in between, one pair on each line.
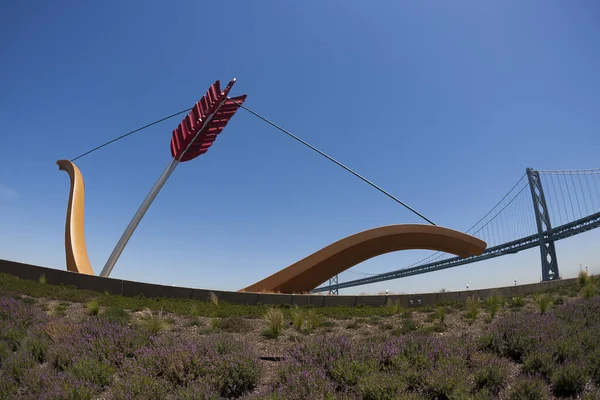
544, 206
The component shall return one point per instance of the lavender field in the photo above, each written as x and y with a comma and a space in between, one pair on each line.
545, 346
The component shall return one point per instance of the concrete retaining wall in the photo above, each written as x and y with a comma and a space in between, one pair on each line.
131, 289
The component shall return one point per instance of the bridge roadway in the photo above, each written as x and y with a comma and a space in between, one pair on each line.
561, 232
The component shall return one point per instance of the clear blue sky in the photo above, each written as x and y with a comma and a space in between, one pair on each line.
444, 104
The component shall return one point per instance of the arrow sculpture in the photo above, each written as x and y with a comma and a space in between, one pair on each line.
192, 138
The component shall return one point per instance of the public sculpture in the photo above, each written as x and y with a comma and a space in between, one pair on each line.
192, 138
306, 274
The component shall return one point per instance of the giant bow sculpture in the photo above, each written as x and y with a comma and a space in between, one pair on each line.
192, 138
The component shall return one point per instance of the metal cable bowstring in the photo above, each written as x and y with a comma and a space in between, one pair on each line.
332, 160
131, 133
271, 123
276, 126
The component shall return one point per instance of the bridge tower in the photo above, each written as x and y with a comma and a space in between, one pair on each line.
334, 281
542, 217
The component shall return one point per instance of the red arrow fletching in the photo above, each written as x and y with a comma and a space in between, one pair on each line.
209, 116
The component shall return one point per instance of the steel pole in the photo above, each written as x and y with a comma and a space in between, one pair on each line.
112, 260
110, 263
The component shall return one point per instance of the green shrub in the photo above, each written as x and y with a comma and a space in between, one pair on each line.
543, 302
482, 394
326, 323
41, 383
567, 349
495, 298
539, 363
298, 318
5, 351
407, 326
194, 310
583, 278
449, 379
313, 320
16, 364
510, 337
440, 312
517, 302
568, 379
472, 308
60, 358
529, 388
9, 389
93, 307
588, 340
213, 299
237, 376
347, 372
36, 344
593, 395
378, 386
154, 323
116, 314
594, 366
202, 389
300, 382
493, 304
274, 319
491, 374
60, 310
140, 386
440, 327
588, 291
92, 370
28, 300
391, 307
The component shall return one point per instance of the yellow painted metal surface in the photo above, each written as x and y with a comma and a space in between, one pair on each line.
75, 247
312, 271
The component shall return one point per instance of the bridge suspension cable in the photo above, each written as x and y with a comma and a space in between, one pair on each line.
489, 235
573, 194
